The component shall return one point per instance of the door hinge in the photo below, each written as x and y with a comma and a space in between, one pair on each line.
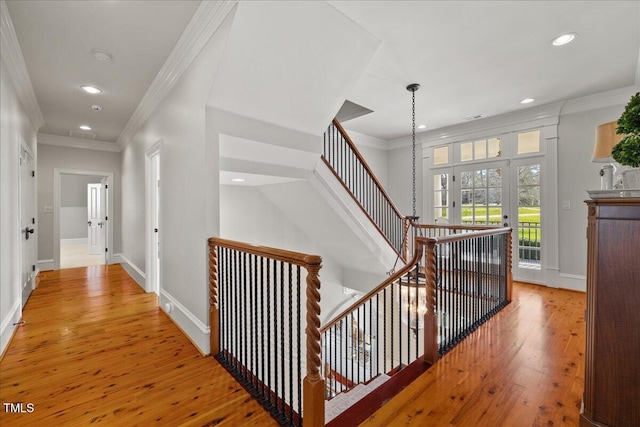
453, 177
454, 204
33, 173
158, 183
33, 267
106, 249
33, 220
106, 186
106, 218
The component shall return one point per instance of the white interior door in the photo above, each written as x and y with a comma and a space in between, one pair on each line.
95, 219
106, 224
155, 219
481, 194
27, 224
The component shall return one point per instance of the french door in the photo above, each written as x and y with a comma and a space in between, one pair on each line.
481, 194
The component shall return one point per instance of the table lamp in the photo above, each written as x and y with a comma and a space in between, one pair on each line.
606, 139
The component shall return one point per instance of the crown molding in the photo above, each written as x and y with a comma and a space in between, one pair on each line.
88, 144
543, 115
205, 22
16, 67
611, 98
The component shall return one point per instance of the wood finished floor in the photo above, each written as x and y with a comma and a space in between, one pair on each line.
95, 349
525, 367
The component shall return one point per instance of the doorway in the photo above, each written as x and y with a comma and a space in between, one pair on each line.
153, 220
27, 223
82, 208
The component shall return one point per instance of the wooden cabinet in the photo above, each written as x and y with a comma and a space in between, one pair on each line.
612, 357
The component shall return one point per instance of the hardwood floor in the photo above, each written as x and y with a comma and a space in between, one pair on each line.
95, 348
525, 367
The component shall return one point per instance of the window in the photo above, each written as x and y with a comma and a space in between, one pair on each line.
529, 142
441, 155
529, 235
481, 196
441, 197
481, 149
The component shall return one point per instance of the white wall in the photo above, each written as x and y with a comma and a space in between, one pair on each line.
188, 188
15, 126
52, 157
576, 175
399, 170
246, 215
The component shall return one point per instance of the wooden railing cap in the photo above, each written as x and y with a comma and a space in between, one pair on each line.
297, 258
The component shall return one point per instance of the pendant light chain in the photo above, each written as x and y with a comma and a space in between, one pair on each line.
413, 146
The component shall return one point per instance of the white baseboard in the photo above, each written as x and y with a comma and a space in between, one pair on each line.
45, 264
572, 282
195, 330
7, 326
133, 270
79, 241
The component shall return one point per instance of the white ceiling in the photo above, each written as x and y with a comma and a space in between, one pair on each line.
471, 58
57, 39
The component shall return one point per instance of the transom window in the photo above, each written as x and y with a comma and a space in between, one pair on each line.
481, 149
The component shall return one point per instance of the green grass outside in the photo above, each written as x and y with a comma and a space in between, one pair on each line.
525, 214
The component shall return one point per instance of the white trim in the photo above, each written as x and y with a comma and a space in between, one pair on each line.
133, 270
57, 172
153, 282
45, 264
612, 98
205, 22
197, 331
573, 282
17, 68
13, 317
88, 144
78, 241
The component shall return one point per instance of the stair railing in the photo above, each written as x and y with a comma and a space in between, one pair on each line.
255, 300
349, 166
453, 284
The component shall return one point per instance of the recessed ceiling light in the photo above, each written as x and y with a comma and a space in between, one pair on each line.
85, 127
563, 39
422, 126
237, 180
527, 101
91, 89
96, 107
101, 55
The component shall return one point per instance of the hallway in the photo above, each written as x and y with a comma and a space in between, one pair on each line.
95, 348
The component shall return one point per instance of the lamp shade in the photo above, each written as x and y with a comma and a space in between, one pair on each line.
606, 139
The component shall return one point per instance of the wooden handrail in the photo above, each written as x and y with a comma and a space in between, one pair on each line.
397, 275
366, 166
464, 236
297, 258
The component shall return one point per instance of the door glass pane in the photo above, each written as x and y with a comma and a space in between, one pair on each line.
440, 196
480, 178
529, 236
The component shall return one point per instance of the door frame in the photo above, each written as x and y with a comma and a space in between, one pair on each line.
34, 257
57, 173
153, 271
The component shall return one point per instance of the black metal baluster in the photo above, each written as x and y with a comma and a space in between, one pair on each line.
282, 339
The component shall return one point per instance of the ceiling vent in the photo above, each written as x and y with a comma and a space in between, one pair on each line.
82, 135
476, 117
